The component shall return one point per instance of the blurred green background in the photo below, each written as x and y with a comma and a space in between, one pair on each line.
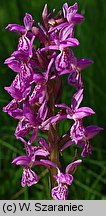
90, 178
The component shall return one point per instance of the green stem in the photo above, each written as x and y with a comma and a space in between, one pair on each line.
54, 157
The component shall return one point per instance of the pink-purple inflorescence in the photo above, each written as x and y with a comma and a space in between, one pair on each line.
36, 90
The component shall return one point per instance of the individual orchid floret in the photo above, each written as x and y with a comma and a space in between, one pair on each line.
70, 13
17, 91
61, 40
29, 121
39, 92
25, 76
60, 192
64, 61
29, 177
75, 112
25, 45
13, 105
75, 78
81, 136
28, 22
70, 17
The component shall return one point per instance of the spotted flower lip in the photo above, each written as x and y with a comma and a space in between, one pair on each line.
29, 177
75, 79
60, 192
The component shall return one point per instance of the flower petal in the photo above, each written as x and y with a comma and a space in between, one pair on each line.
83, 112
13, 64
33, 136
28, 21
44, 144
66, 145
60, 192
77, 19
29, 177
77, 99
16, 28
43, 110
62, 178
72, 165
22, 160
92, 131
83, 63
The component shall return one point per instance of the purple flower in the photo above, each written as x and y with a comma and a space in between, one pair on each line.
13, 105
62, 40
75, 112
81, 136
70, 13
75, 78
64, 61
39, 92
17, 90
29, 177
36, 90
25, 45
60, 192
13, 64
29, 121
77, 131
71, 17
28, 22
